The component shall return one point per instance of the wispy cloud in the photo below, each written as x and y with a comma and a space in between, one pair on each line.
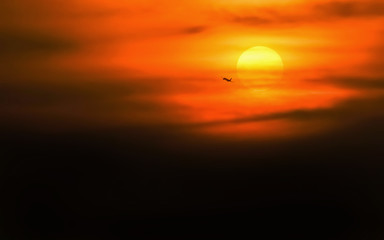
348, 111
309, 13
357, 83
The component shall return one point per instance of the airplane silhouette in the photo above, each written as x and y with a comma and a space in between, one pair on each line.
228, 80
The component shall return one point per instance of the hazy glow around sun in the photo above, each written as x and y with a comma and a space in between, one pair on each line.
259, 67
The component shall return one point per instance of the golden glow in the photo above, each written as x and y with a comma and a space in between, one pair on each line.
169, 60
259, 67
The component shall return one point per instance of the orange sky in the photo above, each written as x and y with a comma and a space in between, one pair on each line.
115, 121
117, 63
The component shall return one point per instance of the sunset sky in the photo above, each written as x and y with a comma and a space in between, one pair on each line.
147, 76
117, 63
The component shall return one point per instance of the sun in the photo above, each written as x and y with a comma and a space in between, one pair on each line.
260, 67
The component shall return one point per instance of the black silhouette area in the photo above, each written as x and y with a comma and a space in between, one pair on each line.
127, 184
228, 80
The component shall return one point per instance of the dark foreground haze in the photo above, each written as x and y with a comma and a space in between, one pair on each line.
148, 184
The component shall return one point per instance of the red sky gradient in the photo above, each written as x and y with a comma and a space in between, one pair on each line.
139, 63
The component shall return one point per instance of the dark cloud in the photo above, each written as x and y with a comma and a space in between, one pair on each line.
359, 83
362, 84
342, 112
319, 12
20, 42
342, 9
194, 30
62, 101
300, 115
274, 18
71, 90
